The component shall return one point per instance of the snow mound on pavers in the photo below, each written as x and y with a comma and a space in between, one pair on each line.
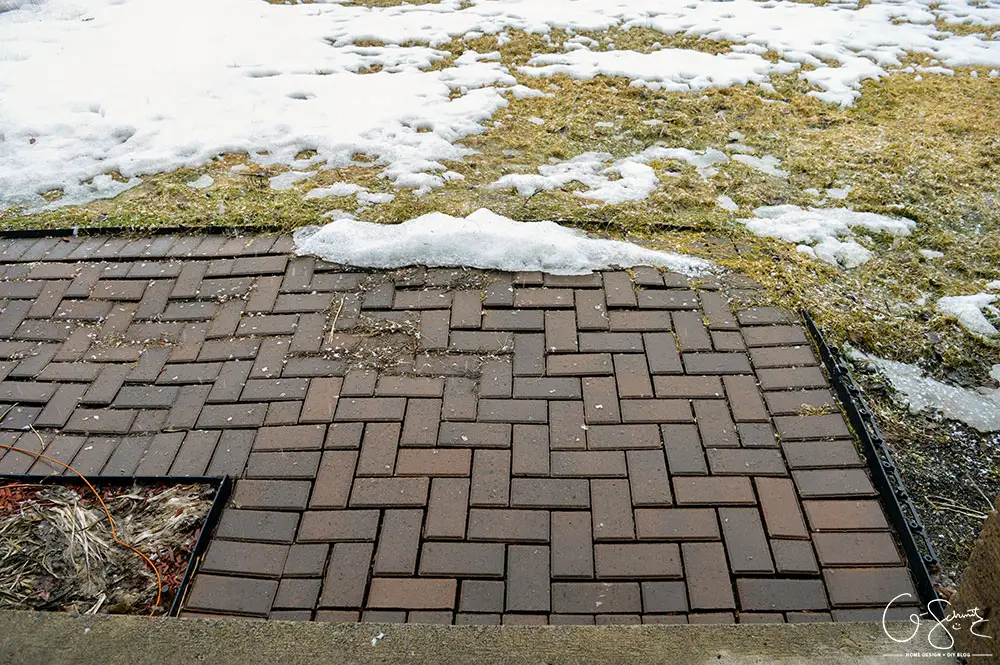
481, 240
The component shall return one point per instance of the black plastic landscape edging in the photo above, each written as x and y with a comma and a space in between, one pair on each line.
223, 487
885, 475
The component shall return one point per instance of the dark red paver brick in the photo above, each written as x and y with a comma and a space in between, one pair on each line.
866, 586
347, 576
781, 595
426, 593
591, 597
845, 515
462, 559
447, 508
746, 543
230, 557
236, 595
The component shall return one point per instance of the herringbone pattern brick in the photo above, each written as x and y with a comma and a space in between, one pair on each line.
446, 445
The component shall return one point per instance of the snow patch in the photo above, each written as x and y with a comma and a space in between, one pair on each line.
636, 180
203, 182
674, 70
766, 164
979, 409
818, 231
930, 253
481, 240
726, 203
969, 312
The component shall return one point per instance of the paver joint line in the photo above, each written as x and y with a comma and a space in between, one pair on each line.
455, 446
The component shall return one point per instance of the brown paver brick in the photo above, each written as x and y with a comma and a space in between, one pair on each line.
509, 525
513, 410
370, 408
713, 491
236, 595
99, 421
283, 465
420, 426
481, 596
637, 560
529, 355
560, 332
591, 597
782, 356
611, 509
685, 455
812, 427
447, 508
745, 399
600, 401
272, 494
782, 513
845, 515
297, 593
856, 549
230, 557
490, 478
399, 543
257, 525
676, 524
426, 593
459, 399
389, 492
742, 461
707, 576
547, 388
715, 425
580, 364
549, 493
528, 578
819, 454
656, 411
378, 449
496, 378
623, 436
648, 478
591, 310
866, 586
588, 464
347, 575
661, 353
746, 543
833, 483
530, 450
455, 462
475, 435
775, 336
794, 557
791, 378
462, 559
320, 402
611, 342
781, 595
567, 429
692, 387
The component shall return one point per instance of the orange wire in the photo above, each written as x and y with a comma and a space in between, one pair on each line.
111, 520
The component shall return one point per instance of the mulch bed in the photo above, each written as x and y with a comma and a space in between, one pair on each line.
57, 551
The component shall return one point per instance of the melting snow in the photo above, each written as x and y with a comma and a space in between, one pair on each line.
930, 253
726, 203
979, 409
969, 312
766, 164
481, 240
824, 228
635, 179
203, 182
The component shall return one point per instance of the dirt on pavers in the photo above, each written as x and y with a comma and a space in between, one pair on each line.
58, 552
622, 446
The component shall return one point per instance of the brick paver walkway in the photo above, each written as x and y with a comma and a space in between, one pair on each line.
461, 446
